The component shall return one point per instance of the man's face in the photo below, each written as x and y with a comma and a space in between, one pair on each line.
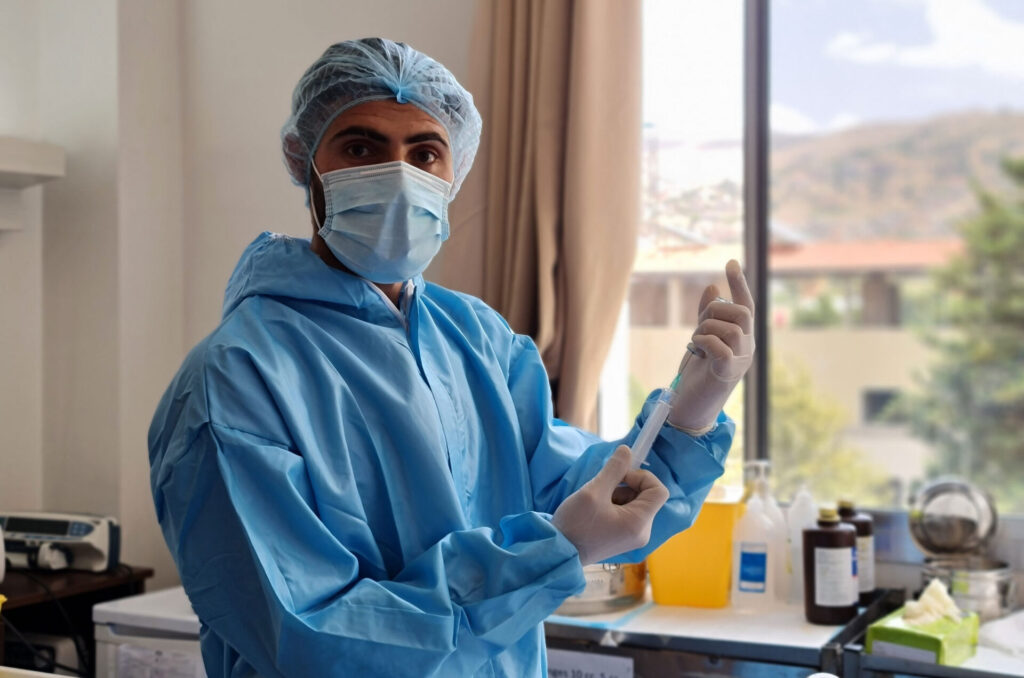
376, 132
384, 131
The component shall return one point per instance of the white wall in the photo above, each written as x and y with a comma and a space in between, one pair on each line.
169, 113
241, 64
18, 69
21, 340
21, 272
78, 110
150, 246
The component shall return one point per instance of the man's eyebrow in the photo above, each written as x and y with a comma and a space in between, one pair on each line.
356, 131
426, 136
370, 133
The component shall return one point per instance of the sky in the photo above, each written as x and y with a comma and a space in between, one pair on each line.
834, 63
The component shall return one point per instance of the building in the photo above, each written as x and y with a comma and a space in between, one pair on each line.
846, 312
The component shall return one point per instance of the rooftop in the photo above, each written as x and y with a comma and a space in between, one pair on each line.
853, 257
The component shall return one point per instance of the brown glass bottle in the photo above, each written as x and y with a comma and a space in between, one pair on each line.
865, 528
830, 589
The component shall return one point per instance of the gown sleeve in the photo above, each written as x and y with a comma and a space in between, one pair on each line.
562, 457
268, 577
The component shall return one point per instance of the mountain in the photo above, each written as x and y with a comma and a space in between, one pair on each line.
906, 180
899, 179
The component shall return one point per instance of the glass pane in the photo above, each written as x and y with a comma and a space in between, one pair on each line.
693, 200
896, 265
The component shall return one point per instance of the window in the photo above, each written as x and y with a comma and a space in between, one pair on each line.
874, 184
693, 200
648, 301
877, 405
894, 294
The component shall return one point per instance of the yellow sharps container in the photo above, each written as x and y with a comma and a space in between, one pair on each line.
694, 567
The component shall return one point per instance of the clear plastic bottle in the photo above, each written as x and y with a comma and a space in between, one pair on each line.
802, 513
754, 559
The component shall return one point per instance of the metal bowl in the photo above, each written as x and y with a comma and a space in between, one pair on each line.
976, 584
952, 517
610, 586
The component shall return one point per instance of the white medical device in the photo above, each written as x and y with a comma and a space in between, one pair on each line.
55, 541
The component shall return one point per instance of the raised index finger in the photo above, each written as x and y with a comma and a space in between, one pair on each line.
738, 285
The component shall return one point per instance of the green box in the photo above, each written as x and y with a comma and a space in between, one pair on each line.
944, 641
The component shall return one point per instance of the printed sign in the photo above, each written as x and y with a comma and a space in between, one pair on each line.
570, 664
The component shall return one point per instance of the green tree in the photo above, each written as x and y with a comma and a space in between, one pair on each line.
822, 314
807, 446
970, 402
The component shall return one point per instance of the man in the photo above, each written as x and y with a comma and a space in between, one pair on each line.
356, 471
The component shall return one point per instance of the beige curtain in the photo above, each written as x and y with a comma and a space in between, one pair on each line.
557, 186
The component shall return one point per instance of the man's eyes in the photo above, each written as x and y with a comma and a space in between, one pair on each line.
361, 150
425, 156
358, 150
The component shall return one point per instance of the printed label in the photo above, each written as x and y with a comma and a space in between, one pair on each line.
573, 664
142, 662
866, 563
753, 566
834, 583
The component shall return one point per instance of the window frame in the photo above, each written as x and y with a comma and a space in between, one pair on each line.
756, 149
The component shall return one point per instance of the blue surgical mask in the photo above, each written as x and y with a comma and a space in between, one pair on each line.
384, 222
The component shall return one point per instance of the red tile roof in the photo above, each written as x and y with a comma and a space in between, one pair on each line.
809, 258
863, 255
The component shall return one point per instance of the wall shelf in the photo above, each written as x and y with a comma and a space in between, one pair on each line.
25, 163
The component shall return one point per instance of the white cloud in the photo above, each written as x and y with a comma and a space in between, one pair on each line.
789, 120
843, 121
965, 33
858, 47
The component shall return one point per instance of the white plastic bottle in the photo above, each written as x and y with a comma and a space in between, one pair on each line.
803, 513
780, 538
779, 531
755, 502
754, 558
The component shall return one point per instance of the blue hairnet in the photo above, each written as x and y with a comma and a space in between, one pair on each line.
357, 71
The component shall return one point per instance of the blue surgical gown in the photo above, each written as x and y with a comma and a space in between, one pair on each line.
354, 489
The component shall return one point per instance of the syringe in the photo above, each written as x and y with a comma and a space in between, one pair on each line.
642, 445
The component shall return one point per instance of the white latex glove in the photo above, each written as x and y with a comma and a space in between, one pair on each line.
724, 339
603, 519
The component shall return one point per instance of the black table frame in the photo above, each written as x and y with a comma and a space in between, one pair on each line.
31, 608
